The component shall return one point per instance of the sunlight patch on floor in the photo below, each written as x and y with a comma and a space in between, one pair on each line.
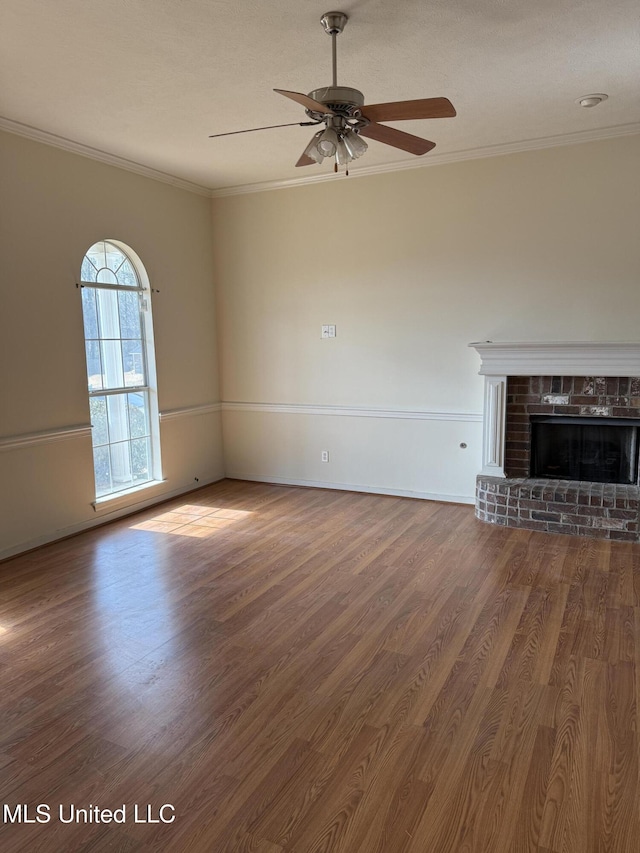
192, 520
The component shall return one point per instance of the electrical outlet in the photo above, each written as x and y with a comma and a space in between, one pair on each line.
324, 456
328, 331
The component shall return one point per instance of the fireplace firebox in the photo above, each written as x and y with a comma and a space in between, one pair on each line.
592, 450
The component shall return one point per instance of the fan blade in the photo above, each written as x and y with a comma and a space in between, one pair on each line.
268, 127
397, 138
307, 102
305, 161
407, 110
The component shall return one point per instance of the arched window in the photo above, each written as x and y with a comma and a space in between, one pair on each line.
118, 333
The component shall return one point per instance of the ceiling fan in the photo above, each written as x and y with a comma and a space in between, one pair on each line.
347, 119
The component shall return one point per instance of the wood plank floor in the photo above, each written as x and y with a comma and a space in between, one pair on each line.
322, 672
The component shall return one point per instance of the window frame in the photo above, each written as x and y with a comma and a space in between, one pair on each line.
149, 389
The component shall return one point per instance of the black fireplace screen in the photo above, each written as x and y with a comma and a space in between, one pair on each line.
588, 449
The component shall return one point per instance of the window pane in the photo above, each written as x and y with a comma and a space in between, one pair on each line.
108, 314
121, 465
96, 255
102, 470
89, 312
98, 409
88, 271
118, 417
129, 305
94, 365
140, 459
111, 364
127, 275
133, 363
113, 256
107, 276
138, 420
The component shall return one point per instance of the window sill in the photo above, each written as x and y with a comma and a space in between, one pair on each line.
108, 503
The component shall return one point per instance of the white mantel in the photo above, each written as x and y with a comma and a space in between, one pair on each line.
553, 358
540, 358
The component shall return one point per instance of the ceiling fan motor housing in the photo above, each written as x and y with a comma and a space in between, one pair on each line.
341, 100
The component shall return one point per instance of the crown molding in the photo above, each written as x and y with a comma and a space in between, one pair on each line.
441, 159
34, 133
65, 144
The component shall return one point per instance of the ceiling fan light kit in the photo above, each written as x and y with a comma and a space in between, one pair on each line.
355, 145
347, 119
344, 146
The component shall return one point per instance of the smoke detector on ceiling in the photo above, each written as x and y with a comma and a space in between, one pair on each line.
591, 100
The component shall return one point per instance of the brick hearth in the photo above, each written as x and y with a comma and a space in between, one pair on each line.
601, 510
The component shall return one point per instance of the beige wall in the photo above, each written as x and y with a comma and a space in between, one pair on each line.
411, 267
54, 206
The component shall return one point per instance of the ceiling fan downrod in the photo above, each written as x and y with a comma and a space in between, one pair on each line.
334, 23
340, 100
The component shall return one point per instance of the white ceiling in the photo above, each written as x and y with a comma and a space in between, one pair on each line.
149, 80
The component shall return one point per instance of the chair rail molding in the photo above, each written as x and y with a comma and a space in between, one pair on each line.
190, 411
350, 411
33, 439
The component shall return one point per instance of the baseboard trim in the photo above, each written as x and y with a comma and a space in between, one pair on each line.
350, 487
99, 521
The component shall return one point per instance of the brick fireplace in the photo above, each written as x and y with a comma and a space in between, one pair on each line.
569, 383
